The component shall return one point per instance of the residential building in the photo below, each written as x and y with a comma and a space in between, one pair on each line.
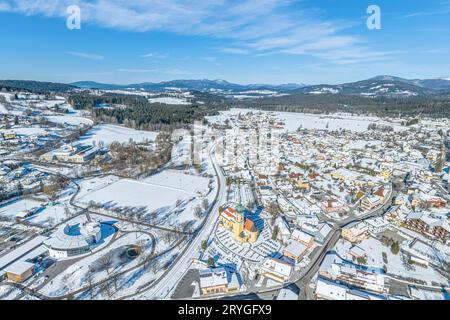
218, 281
276, 269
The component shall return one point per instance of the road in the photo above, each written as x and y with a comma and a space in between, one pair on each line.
168, 282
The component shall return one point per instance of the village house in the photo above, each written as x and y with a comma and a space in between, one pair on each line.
355, 232
276, 269
425, 224
218, 281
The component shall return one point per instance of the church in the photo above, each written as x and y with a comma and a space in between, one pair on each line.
244, 229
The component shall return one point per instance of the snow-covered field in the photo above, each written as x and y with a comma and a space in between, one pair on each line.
69, 120
132, 193
158, 192
172, 194
34, 131
169, 100
110, 133
175, 179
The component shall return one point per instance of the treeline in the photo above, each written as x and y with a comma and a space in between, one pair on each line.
430, 106
138, 113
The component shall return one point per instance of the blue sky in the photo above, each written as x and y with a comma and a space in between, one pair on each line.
246, 41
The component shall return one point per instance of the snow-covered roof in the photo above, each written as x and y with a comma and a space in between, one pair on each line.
21, 251
295, 248
19, 267
301, 236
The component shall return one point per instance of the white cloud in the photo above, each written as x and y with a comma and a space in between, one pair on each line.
246, 27
84, 55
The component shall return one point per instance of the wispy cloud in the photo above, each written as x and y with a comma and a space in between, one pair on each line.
154, 55
436, 51
444, 8
257, 27
136, 70
234, 50
4, 6
84, 55
176, 72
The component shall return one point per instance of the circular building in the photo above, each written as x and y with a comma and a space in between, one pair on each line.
75, 239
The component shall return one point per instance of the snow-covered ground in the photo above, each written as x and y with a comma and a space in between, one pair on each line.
69, 120
74, 277
12, 208
110, 133
294, 120
169, 100
3, 109
132, 193
395, 265
33, 131
172, 194
175, 179
181, 152
50, 215
7, 96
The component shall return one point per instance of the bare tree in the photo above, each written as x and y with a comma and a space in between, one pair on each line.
115, 280
105, 262
67, 212
89, 279
205, 204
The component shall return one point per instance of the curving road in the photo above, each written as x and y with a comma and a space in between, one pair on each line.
168, 282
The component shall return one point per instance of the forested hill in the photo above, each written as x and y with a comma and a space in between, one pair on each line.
35, 86
138, 113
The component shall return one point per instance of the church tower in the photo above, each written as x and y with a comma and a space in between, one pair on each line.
240, 222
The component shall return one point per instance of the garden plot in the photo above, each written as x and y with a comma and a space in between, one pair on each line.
12, 208
50, 216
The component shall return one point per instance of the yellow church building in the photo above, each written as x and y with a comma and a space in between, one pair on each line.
244, 230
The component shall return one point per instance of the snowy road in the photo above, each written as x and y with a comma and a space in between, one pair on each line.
168, 283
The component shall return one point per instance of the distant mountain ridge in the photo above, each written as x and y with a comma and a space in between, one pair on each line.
196, 85
383, 85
